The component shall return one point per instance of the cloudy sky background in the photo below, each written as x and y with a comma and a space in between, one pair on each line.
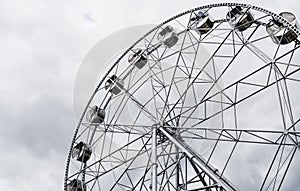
42, 44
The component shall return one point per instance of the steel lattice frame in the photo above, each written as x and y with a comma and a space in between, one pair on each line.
185, 120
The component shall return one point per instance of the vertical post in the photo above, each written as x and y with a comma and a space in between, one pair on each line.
186, 171
177, 168
154, 158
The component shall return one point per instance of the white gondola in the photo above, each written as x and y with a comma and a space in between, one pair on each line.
82, 152
240, 18
202, 22
76, 185
114, 85
167, 36
95, 115
279, 33
138, 58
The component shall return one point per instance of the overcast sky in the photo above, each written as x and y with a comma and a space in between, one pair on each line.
42, 44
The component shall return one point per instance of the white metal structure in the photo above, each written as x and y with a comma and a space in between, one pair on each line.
191, 104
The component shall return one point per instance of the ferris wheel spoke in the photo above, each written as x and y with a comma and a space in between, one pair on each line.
124, 173
243, 135
186, 70
105, 158
141, 182
197, 75
165, 164
129, 168
159, 86
283, 159
125, 166
142, 107
281, 162
285, 105
235, 88
289, 63
173, 75
183, 95
289, 52
286, 170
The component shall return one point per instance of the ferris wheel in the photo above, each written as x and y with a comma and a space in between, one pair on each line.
207, 100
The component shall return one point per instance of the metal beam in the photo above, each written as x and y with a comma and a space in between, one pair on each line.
194, 157
154, 158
